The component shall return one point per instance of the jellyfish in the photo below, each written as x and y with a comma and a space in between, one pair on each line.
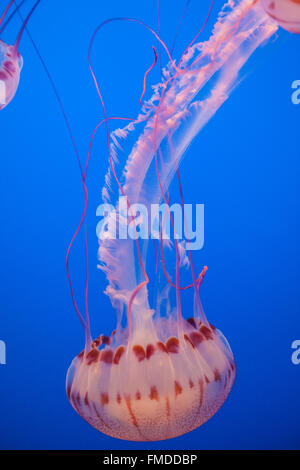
164, 370
285, 12
11, 61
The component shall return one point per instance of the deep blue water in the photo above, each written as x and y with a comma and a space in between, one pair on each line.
244, 167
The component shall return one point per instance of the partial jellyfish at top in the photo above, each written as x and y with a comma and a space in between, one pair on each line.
165, 369
11, 61
285, 12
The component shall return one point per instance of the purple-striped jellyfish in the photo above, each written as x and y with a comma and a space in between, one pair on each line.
161, 375
285, 12
11, 61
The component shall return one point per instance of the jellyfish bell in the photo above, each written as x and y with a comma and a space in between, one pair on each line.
11, 63
156, 386
285, 12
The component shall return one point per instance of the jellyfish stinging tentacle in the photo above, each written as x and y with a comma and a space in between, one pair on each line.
163, 375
